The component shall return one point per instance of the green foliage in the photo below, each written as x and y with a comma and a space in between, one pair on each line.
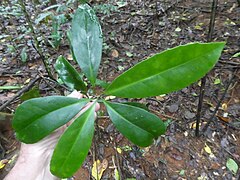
139, 126
49, 114
13, 10
105, 8
24, 55
168, 71
32, 93
232, 166
69, 75
74, 145
163, 73
57, 19
86, 33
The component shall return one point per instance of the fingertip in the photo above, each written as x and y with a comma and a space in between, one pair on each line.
76, 94
97, 107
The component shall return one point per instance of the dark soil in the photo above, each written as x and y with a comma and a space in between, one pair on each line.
133, 33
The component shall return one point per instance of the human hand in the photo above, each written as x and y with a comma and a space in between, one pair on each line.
34, 159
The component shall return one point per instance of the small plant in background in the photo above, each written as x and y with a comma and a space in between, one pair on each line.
168, 71
57, 18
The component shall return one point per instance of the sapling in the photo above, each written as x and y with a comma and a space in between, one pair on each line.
165, 72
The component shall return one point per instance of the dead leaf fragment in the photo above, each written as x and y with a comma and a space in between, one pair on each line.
115, 53
99, 168
207, 149
3, 163
224, 106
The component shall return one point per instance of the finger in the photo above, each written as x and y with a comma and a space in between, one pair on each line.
97, 107
76, 94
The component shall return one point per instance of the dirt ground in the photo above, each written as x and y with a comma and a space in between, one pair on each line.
139, 29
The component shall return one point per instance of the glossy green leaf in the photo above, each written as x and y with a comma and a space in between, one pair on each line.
36, 118
69, 75
74, 145
168, 71
138, 125
87, 41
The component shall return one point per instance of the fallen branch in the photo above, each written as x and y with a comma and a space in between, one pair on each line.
19, 93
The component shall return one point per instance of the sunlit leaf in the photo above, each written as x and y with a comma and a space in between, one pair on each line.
168, 71
236, 55
232, 165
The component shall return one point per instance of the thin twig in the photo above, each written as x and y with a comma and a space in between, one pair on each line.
36, 42
118, 162
203, 80
219, 102
200, 104
19, 93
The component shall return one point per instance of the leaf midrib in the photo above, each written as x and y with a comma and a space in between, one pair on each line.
90, 110
129, 121
50, 113
157, 74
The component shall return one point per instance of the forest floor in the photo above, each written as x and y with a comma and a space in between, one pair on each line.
134, 30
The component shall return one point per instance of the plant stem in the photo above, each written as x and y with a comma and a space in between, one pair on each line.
200, 104
220, 101
36, 42
203, 80
19, 93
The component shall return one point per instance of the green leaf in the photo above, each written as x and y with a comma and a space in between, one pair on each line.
136, 104
138, 125
74, 145
232, 165
33, 93
36, 118
217, 81
42, 16
69, 75
24, 55
102, 83
83, 1
168, 71
10, 87
236, 55
87, 41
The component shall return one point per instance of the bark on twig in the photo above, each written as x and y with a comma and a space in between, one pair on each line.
203, 80
19, 93
220, 101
